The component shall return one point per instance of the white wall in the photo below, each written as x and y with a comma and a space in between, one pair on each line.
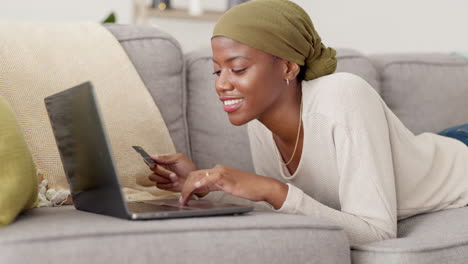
370, 26
64, 10
391, 25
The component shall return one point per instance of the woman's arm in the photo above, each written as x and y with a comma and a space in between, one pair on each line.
249, 189
236, 182
173, 170
357, 229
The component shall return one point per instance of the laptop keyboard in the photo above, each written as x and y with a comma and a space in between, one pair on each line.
140, 207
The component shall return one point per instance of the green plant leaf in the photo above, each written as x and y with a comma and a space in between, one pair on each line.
111, 18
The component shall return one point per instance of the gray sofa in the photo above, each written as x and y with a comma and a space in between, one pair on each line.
428, 92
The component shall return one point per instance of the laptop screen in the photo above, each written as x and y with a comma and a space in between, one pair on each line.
84, 149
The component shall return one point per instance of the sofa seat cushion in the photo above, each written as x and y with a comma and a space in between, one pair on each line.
55, 235
440, 237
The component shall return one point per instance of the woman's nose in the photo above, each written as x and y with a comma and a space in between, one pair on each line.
223, 83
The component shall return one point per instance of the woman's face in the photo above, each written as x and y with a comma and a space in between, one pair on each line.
249, 81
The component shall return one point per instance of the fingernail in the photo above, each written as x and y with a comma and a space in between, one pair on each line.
172, 176
198, 184
180, 199
175, 184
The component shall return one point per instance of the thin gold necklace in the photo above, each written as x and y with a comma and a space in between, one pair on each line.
280, 159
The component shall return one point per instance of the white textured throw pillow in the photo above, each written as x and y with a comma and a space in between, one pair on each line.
40, 59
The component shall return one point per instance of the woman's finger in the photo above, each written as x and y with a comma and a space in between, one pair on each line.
167, 186
209, 179
166, 159
159, 179
163, 172
202, 179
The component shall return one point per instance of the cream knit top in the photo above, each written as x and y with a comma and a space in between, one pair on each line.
360, 166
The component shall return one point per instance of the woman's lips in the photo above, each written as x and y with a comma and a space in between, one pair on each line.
233, 107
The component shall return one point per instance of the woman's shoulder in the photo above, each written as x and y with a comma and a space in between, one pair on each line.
338, 91
335, 83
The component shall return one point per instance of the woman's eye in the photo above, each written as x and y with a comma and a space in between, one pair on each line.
239, 71
234, 71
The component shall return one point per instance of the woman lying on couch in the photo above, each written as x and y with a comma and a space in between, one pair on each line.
323, 143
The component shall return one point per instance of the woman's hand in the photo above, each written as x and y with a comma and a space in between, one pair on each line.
171, 172
235, 182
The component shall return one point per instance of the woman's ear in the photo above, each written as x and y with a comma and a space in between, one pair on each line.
291, 70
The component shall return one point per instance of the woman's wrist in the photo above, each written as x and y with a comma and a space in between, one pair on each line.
276, 193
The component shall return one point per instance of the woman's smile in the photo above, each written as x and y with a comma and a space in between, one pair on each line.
231, 105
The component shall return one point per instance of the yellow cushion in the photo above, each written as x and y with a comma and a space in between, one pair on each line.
18, 182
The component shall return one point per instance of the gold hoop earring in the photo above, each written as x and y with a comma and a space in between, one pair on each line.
287, 82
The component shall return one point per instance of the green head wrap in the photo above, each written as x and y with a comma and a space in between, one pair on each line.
280, 28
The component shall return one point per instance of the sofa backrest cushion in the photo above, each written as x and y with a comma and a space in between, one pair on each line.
428, 92
352, 61
158, 59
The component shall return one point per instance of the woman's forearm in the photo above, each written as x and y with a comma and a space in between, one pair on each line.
275, 192
247, 185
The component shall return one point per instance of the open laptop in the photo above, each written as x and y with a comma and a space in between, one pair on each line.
91, 174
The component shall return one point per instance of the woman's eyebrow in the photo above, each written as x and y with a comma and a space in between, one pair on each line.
233, 58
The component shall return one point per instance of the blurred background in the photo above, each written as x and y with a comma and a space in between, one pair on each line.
369, 26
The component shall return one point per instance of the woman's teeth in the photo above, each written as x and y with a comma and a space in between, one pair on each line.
231, 102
